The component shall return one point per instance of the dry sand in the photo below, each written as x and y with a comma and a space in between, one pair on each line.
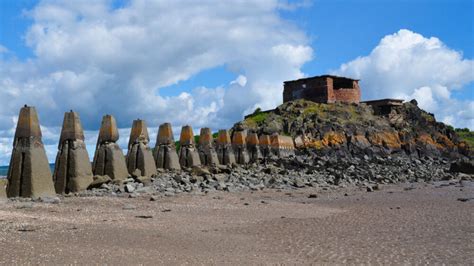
395, 225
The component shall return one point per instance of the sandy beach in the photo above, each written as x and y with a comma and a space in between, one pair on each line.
397, 224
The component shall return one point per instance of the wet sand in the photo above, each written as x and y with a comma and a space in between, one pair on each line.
398, 224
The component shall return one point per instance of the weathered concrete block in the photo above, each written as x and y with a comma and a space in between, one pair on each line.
253, 147
29, 174
73, 171
239, 145
109, 159
282, 146
165, 150
225, 153
188, 154
207, 151
140, 156
265, 146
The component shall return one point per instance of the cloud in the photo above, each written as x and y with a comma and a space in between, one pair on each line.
97, 59
408, 65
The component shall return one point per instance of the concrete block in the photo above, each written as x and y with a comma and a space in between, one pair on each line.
139, 155
225, 153
73, 171
239, 145
188, 153
29, 174
253, 147
165, 150
206, 148
109, 159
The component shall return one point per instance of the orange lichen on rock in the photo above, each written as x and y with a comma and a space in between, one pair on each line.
427, 139
386, 139
444, 141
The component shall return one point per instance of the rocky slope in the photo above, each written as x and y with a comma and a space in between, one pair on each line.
352, 129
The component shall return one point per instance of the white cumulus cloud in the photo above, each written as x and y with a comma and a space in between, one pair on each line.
408, 65
97, 59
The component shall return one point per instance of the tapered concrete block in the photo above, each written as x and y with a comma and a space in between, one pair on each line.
239, 145
29, 174
188, 153
73, 171
253, 147
108, 158
225, 153
165, 150
282, 146
265, 146
140, 156
206, 148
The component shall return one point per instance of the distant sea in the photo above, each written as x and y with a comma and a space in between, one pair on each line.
4, 170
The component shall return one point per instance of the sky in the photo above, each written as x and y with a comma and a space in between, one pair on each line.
208, 63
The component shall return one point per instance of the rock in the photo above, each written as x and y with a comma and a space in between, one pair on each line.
312, 196
49, 200
200, 171
154, 198
144, 216
129, 207
129, 188
99, 180
462, 166
26, 205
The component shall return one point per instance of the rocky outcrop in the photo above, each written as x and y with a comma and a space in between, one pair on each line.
225, 153
109, 159
72, 171
206, 147
29, 174
165, 150
188, 153
354, 129
140, 162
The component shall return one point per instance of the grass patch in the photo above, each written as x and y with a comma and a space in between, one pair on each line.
467, 137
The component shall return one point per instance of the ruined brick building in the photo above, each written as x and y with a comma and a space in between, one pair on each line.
323, 89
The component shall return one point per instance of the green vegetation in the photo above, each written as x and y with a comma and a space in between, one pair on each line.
466, 135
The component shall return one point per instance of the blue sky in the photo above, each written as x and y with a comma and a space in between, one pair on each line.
211, 62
